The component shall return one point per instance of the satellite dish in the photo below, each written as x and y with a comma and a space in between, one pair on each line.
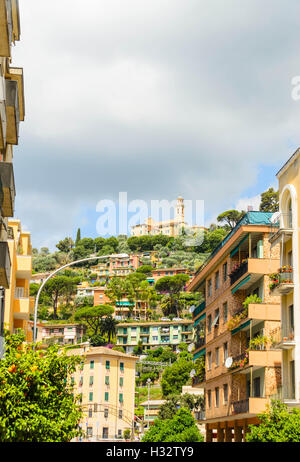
143, 357
192, 373
228, 362
274, 218
191, 347
192, 308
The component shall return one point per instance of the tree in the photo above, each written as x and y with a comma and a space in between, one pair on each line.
59, 286
133, 287
172, 285
278, 424
145, 269
93, 317
66, 245
116, 290
174, 402
78, 236
269, 201
230, 218
109, 327
37, 402
181, 428
176, 375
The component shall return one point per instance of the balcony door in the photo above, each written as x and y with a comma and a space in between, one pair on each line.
292, 379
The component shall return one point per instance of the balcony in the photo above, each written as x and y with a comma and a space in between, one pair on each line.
283, 337
12, 112
264, 311
284, 393
281, 229
8, 189
16, 73
24, 268
6, 27
252, 269
249, 406
5, 265
282, 282
16, 31
21, 308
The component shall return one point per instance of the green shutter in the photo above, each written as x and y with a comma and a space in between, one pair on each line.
106, 396
107, 364
91, 380
121, 397
92, 364
121, 381
106, 380
122, 367
91, 396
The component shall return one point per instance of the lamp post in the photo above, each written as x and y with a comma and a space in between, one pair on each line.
52, 274
148, 384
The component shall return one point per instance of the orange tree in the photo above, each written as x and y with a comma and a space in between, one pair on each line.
36, 399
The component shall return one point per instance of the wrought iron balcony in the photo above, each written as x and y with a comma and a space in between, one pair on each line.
238, 272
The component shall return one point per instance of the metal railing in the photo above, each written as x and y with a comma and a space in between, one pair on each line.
240, 407
238, 272
283, 221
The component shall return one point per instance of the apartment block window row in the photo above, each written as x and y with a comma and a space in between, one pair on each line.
217, 396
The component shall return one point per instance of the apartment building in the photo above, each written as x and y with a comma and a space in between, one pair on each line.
286, 282
18, 305
162, 272
106, 383
123, 308
242, 363
154, 334
64, 334
12, 111
116, 266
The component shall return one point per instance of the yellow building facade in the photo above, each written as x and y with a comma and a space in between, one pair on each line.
286, 233
106, 383
18, 305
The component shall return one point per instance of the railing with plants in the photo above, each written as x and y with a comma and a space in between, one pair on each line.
242, 313
284, 276
200, 371
238, 270
240, 361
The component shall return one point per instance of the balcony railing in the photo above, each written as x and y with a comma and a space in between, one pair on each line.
8, 189
283, 281
240, 407
199, 342
12, 111
199, 415
6, 28
199, 379
285, 392
5, 265
283, 222
282, 335
238, 272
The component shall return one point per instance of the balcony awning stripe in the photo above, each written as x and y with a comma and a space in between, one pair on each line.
234, 331
199, 353
235, 250
199, 319
243, 281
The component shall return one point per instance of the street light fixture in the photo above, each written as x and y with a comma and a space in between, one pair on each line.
52, 274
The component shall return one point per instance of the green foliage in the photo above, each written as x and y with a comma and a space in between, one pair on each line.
230, 218
97, 340
177, 375
269, 201
127, 434
181, 428
145, 269
119, 348
66, 245
278, 424
37, 403
161, 354
93, 317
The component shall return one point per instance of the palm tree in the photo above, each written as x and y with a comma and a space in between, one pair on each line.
109, 327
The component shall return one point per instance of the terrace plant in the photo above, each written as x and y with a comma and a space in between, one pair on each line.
241, 362
259, 343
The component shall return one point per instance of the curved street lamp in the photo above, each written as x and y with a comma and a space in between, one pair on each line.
52, 274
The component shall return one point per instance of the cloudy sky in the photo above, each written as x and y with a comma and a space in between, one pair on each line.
153, 98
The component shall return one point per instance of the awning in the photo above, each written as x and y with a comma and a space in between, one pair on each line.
234, 331
240, 284
199, 353
234, 251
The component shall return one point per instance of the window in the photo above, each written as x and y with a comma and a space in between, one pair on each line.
175, 337
121, 381
121, 397
217, 280
122, 367
91, 380
120, 414
155, 337
107, 380
225, 350
256, 383
225, 393
217, 356
105, 432
106, 396
90, 412
209, 288
107, 364
106, 413
217, 396
225, 312
92, 364
225, 274
216, 320
89, 431
209, 360
119, 433
91, 396
209, 399
81, 381
209, 323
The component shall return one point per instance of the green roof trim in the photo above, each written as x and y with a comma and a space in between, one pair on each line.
234, 331
240, 284
199, 353
235, 250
